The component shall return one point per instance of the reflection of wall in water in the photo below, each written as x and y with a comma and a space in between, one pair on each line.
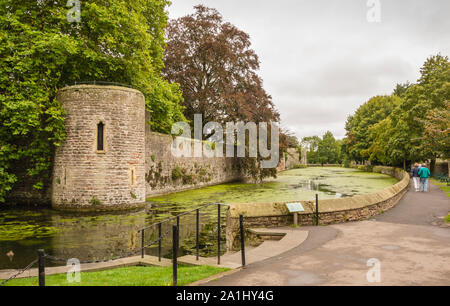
105, 236
312, 185
97, 237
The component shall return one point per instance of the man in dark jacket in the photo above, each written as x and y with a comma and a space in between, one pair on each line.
415, 176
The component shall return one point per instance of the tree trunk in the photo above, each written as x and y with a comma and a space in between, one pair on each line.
432, 166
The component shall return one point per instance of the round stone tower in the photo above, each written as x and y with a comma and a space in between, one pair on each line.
101, 164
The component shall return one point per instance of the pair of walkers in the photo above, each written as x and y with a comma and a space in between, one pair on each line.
420, 175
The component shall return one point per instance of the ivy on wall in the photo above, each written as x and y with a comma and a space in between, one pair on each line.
41, 50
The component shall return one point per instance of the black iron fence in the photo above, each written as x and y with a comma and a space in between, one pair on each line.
175, 230
177, 218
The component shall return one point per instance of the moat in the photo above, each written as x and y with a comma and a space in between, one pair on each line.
105, 235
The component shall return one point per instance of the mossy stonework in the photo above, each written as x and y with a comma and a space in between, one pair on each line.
107, 173
331, 211
166, 173
111, 160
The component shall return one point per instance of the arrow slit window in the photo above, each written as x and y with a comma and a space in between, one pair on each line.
100, 136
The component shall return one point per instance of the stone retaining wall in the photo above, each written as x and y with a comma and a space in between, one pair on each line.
165, 173
331, 211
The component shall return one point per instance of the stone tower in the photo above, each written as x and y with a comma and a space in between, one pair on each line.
101, 164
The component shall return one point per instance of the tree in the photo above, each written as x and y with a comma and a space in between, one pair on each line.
397, 132
216, 69
437, 130
40, 51
358, 125
217, 72
311, 144
325, 150
407, 120
292, 141
400, 89
328, 149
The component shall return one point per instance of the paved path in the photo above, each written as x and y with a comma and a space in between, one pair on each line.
408, 240
267, 249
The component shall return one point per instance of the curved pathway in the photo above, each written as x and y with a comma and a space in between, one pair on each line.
410, 242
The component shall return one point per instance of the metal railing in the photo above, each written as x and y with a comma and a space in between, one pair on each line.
175, 245
197, 227
176, 237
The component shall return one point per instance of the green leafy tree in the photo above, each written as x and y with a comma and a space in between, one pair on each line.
437, 131
311, 143
40, 52
406, 140
398, 134
328, 149
367, 115
400, 89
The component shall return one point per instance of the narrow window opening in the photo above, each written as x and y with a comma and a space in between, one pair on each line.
100, 136
133, 178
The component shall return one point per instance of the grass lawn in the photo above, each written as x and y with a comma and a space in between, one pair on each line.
127, 276
441, 185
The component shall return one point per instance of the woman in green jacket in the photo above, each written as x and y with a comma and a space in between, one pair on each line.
424, 174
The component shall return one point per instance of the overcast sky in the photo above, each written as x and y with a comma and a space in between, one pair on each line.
321, 59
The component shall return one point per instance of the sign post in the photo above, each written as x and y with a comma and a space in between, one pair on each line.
295, 208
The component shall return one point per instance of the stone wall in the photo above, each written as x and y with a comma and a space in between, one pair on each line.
135, 163
292, 158
86, 177
331, 211
165, 173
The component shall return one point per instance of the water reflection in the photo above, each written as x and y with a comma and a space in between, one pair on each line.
101, 236
94, 236
312, 185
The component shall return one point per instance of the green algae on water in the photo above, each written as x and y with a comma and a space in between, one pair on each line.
291, 185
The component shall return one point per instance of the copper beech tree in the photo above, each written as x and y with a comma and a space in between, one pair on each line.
217, 72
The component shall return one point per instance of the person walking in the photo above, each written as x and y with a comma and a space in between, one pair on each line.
424, 174
415, 176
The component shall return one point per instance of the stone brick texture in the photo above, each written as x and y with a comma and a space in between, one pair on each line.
292, 158
114, 178
165, 173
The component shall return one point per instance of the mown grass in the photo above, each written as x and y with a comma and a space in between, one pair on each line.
127, 276
442, 185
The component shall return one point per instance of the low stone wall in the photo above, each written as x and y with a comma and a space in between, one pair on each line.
324, 165
331, 211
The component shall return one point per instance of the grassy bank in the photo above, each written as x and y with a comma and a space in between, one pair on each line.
127, 276
444, 187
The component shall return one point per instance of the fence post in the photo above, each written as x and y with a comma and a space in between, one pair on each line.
241, 226
197, 242
142, 243
218, 234
175, 254
317, 209
159, 242
41, 267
